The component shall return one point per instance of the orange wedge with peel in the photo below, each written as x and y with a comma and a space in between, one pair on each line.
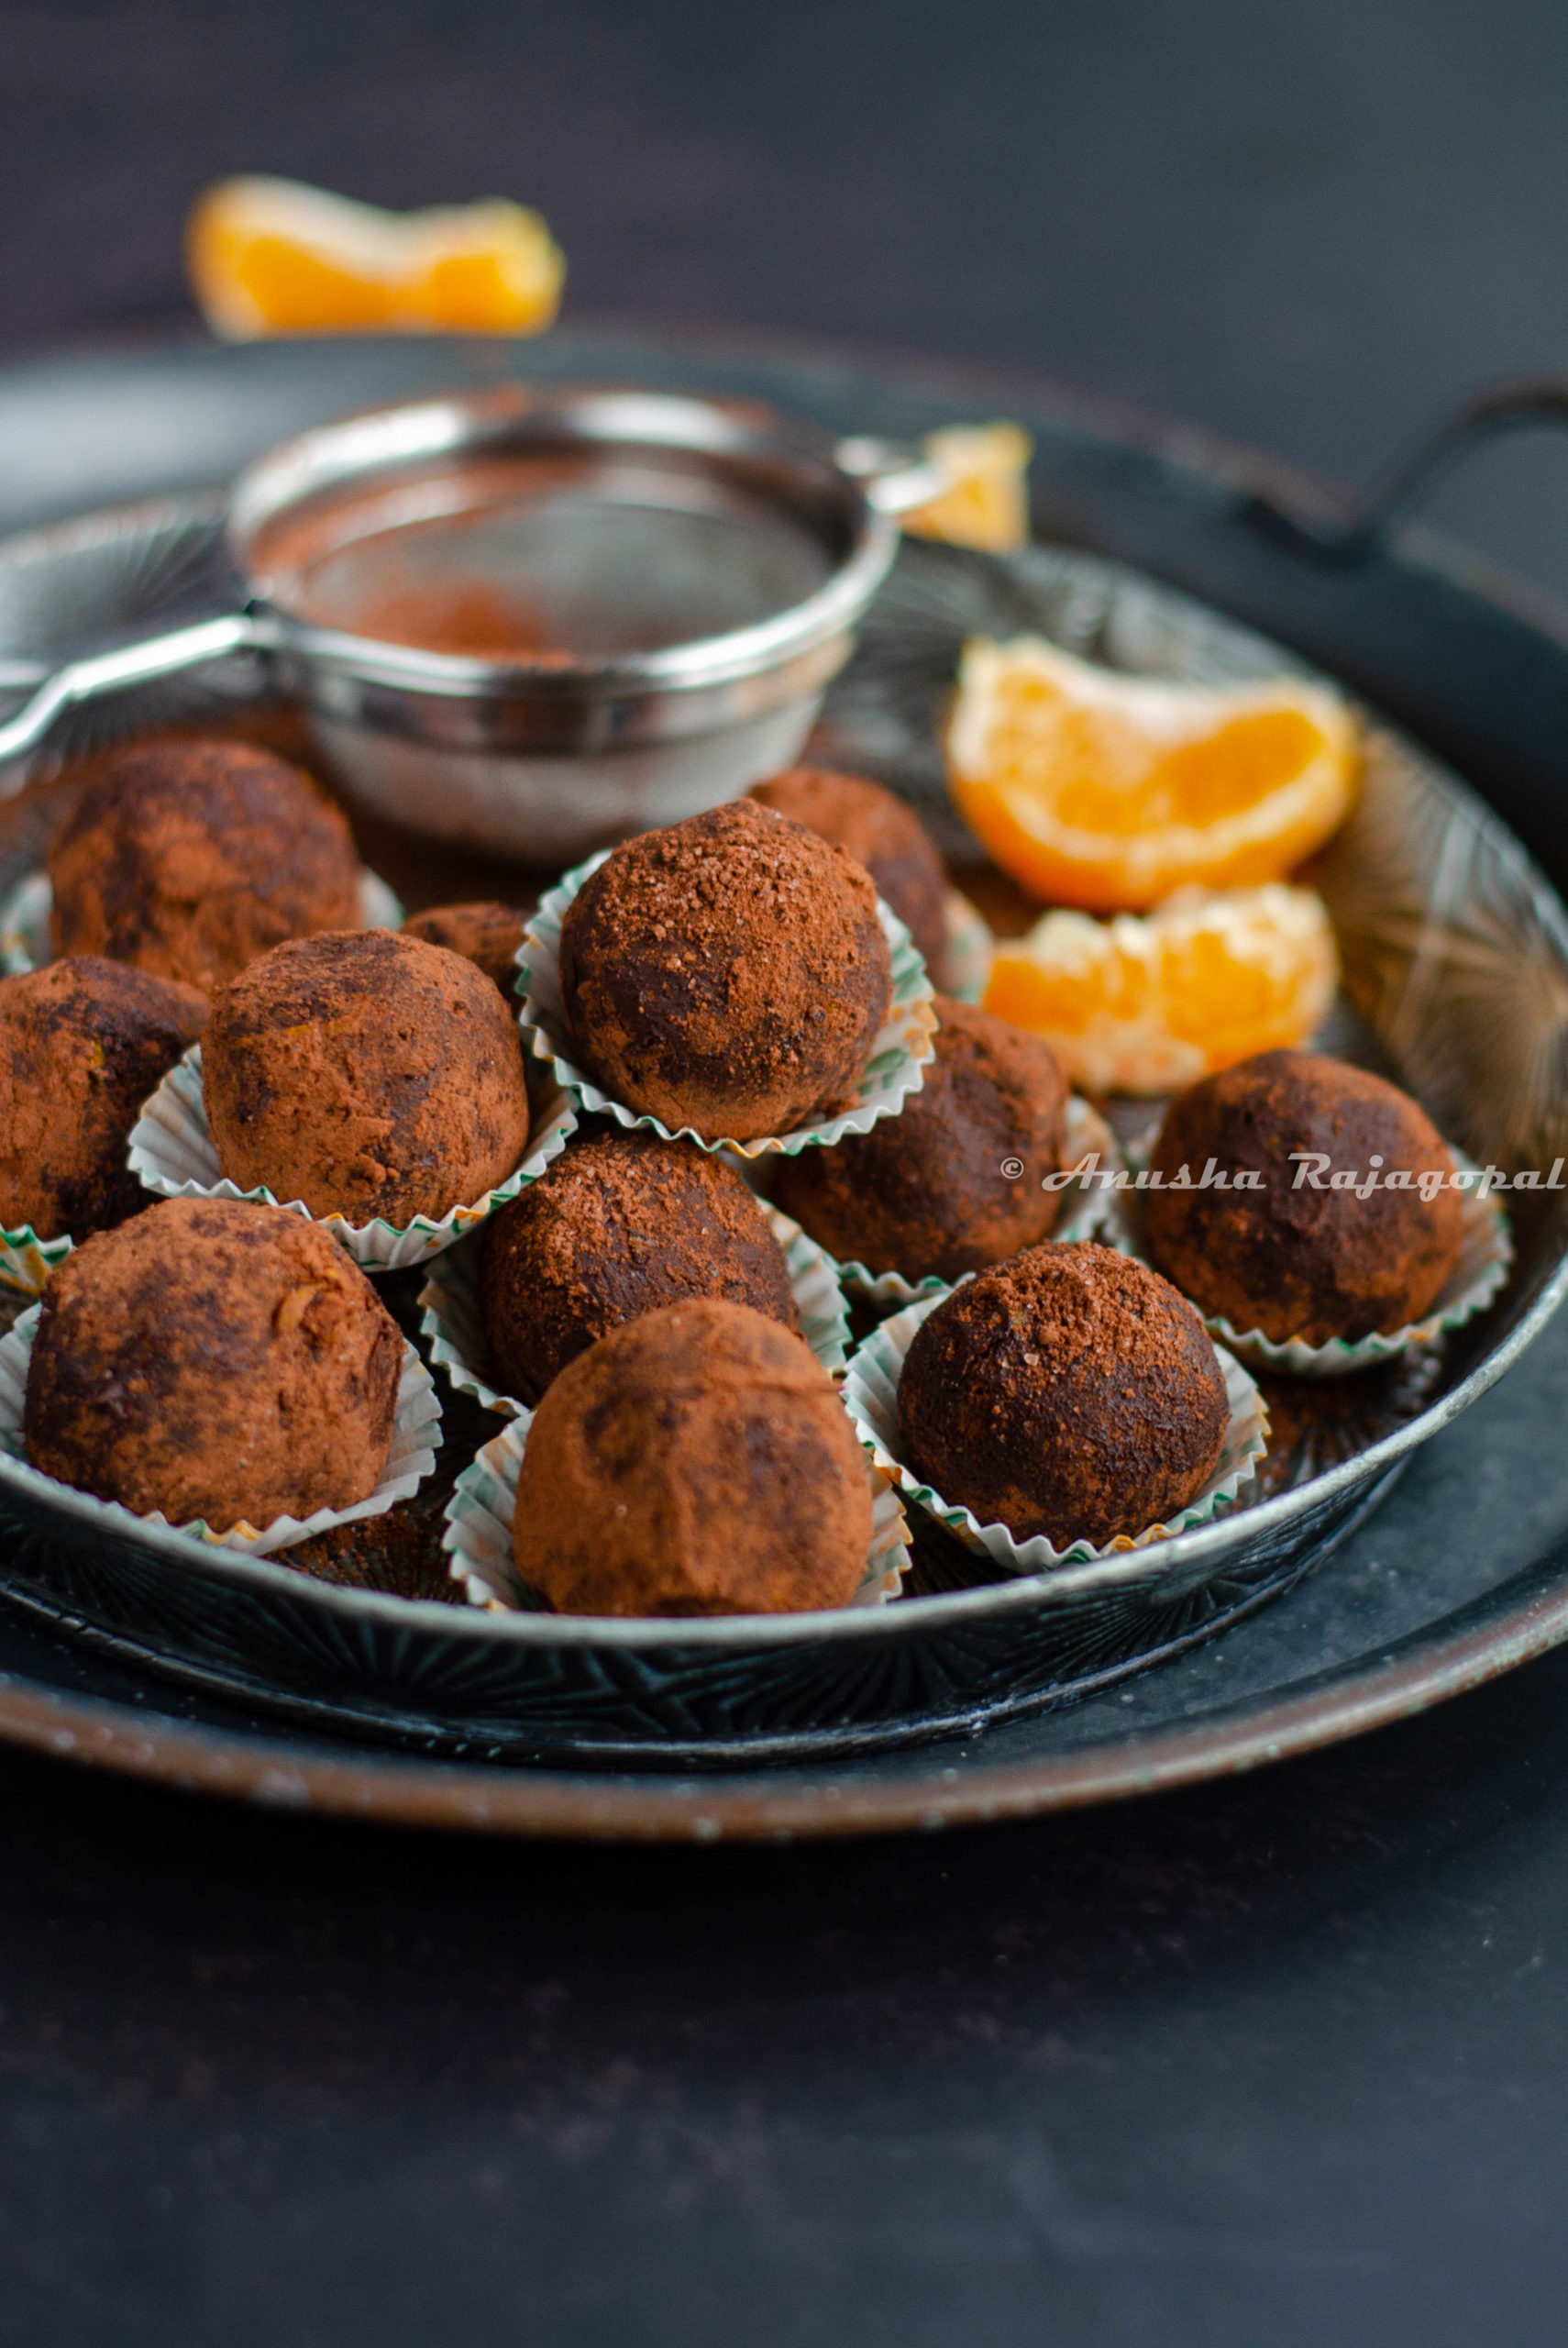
1095, 788
984, 499
1147, 1005
273, 257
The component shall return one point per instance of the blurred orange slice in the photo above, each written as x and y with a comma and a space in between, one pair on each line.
1132, 1005
1100, 790
986, 501
271, 257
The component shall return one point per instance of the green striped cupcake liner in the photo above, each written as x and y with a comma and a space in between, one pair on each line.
967, 948
896, 1068
871, 1398
416, 1435
477, 1538
1478, 1279
171, 1152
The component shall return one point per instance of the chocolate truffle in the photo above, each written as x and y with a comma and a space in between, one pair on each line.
1305, 1261
728, 974
189, 859
82, 1043
1069, 1391
367, 1074
213, 1360
695, 1461
924, 1191
882, 833
488, 934
621, 1223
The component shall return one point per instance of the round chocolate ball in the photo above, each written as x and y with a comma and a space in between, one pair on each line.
488, 934
189, 859
82, 1043
621, 1223
728, 974
881, 832
213, 1360
695, 1461
1281, 1253
366, 1074
1069, 1391
925, 1192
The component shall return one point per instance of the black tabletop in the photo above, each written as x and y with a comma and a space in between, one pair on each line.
1284, 2060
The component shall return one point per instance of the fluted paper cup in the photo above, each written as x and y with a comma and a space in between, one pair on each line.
416, 1433
871, 1398
897, 1065
172, 1152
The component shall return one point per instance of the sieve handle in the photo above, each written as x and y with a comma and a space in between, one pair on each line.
895, 476
1357, 533
102, 673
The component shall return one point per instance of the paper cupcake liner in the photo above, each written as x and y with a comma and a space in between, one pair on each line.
27, 1261
896, 1068
416, 1434
1485, 1257
24, 943
871, 1398
171, 1152
453, 1322
478, 1537
1087, 1215
967, 948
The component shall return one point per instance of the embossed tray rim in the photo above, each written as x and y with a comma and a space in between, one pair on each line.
1185, 1559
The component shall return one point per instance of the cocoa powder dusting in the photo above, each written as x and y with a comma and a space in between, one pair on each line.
82, 1043
924, 1191
622, 1223
216, 1360
366, 1073
1302, 1262
695, 1461
728, 974
882, 833
188, 859
1069, 1391
487, 935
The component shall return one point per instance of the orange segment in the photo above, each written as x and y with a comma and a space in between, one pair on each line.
1132, 1005
986, 501
1109, 792
273, 257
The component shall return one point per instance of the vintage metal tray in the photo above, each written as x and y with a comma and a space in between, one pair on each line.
1455, 954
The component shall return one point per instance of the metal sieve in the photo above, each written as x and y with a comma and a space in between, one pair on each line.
630, 604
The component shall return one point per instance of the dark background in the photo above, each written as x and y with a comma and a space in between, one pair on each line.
1283, 2061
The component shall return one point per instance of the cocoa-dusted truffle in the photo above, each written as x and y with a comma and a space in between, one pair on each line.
925, 1192
695, 1461
1281, 1253
881, 832
189, 859
367, 1074
622, 1223
82, 1046
488, 934
1069, 1391
213, 1360
728, 974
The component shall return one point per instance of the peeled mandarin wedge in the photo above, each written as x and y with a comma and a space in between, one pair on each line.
986, 501
1109, 792
1148, 1005
271, 257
